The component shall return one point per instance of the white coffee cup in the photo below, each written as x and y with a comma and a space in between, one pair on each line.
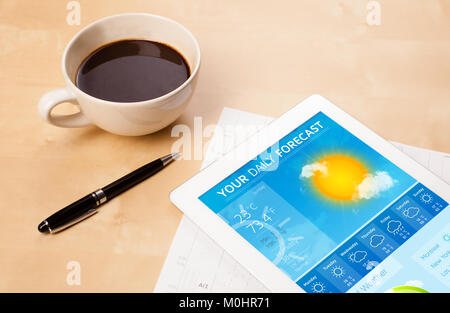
131, 118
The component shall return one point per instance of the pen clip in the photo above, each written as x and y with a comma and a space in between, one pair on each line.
74, 221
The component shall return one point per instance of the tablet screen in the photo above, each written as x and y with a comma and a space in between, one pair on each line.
337, 216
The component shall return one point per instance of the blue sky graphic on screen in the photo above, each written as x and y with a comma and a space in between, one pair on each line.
307, 193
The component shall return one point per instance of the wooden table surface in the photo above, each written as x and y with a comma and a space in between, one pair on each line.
258, 56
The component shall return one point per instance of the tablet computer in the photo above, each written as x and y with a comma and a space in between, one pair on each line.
317, 202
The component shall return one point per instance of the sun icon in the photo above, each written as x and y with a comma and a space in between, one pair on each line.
341, 178
337, 271
426, 198
318, 287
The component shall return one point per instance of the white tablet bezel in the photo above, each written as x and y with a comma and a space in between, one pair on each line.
186, 196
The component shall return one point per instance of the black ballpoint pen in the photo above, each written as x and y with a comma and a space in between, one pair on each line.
87, 206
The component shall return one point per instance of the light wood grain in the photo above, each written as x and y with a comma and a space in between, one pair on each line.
258, 56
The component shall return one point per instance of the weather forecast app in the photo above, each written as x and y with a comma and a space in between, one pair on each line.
336, 216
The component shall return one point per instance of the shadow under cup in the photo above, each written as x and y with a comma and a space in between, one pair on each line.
132, 118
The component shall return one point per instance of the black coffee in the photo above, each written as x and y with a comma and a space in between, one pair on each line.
131, 71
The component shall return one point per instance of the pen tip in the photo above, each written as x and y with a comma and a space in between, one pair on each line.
176, 155
43, 227
170, 157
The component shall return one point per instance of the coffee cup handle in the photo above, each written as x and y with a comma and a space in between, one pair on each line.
51, 99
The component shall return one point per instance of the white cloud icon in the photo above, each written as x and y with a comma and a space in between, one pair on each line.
357, 256
310, 169
374, 184
411, 212
394, 226
376, 240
